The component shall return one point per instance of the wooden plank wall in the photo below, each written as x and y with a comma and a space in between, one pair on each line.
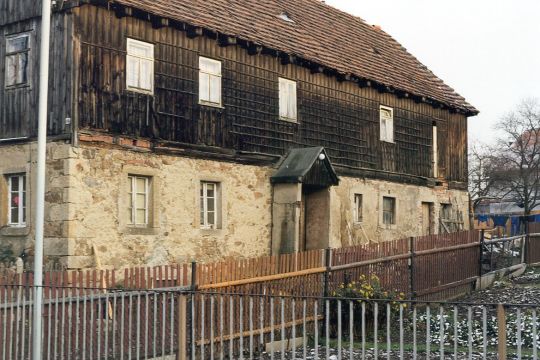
18, 105
340, 116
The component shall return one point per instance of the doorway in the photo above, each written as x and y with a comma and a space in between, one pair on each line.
427, 218
314, 227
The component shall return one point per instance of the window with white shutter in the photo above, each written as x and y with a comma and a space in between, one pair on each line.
287, 100
209, 81
386, 116
140, 66
17, 49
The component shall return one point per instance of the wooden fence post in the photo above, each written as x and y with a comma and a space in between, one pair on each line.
328, 254
501, 332
411, 267
182, 353
193, 275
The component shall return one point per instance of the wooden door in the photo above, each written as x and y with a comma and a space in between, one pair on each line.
427, 221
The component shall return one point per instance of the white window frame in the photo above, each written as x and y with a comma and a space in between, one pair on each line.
288, 100
139, 58
132, 193
21, 207
394, 211
358, 203
17, 54
386, 124
204, 205
205, 99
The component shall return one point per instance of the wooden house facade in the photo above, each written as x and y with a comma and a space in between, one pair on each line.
170, 122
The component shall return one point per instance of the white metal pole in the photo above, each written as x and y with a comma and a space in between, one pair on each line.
40, 176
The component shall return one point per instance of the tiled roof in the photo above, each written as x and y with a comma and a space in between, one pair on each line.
318, 33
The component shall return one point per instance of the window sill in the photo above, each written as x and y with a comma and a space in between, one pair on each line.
10, 230
388, 226
140, 91
140, 230
212, 105
17, 86
290, 120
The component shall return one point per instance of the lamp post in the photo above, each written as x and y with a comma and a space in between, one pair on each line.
40, 176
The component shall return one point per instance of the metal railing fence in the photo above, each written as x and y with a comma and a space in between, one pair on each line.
185, 324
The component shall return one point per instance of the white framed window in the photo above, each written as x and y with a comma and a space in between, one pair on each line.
17, 200
140, 66
17, 49
358, 210
139, 199
209, 81
287, 100
209, 205
389, 210
386, 116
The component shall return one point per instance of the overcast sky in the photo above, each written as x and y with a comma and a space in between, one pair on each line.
487, 50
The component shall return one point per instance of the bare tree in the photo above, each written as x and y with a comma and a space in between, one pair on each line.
514, 168
481, 182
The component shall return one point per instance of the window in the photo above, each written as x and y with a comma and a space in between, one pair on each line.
387, 123
17, 200
389, 210
358, 208
287, 99
17, 48
209, 81
138, 200
140, 66
209, 205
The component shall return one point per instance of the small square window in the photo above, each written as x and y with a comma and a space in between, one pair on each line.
139, 199
358, 211
287, 100
209, 81
140, 66
17, 200
17, 49
389, 210
386, 116
210, 211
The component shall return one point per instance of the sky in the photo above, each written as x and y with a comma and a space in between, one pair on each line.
487, 50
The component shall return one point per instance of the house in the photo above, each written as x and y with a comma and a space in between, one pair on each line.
184, 130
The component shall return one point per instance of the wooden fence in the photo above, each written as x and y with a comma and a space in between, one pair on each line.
434, 267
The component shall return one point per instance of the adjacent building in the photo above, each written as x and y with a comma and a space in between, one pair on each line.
203, 130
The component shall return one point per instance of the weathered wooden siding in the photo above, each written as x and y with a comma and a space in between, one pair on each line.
18, 105
340, 116
12, 11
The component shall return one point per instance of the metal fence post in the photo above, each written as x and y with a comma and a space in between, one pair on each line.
501, 332
182, 328
328, 264
411, 267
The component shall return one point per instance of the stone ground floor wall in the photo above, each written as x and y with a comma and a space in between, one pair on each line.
87, 202
408, 198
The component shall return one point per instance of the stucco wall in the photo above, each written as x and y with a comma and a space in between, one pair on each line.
21, 158
86, 202
99, 197
409, 200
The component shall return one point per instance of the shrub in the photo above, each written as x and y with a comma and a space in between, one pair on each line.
363, 290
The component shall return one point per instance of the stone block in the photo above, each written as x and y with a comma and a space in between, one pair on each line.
77, 262
57, 247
